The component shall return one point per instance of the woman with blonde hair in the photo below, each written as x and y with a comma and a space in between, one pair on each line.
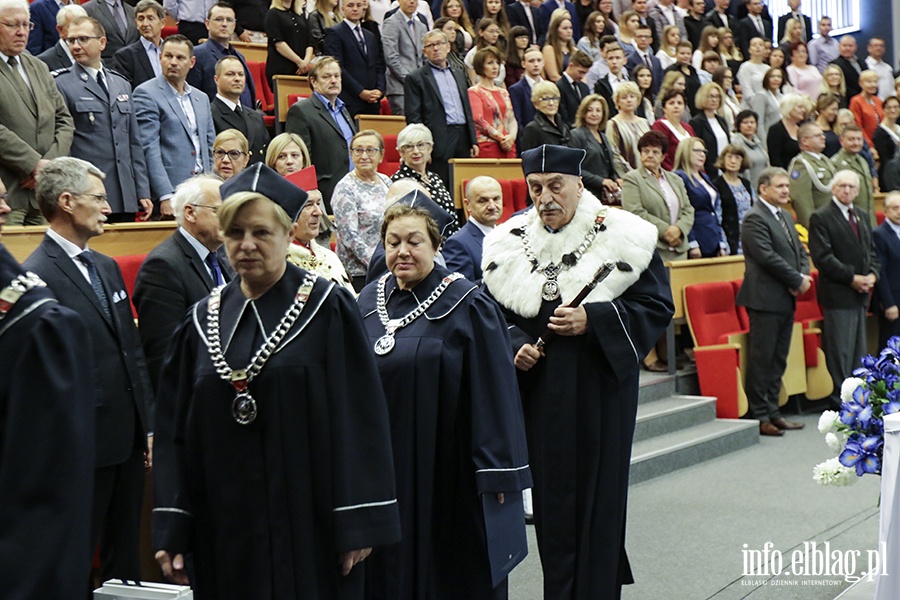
287, 154
793, 34
709, 126
456, 10
626, 128
783, 138
598, 167
560, 45
666, 53
289, 47
231, 152
709, 42
867, 106
833, 82
731, 54
707, 237
326, 14
547, 127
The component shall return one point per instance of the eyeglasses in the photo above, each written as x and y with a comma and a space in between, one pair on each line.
418, 146
4, 197
366, 151
550, 99
215, 209
221, 20
82, 39
232, 154
29, 26
434, 45
699, 150
98, 198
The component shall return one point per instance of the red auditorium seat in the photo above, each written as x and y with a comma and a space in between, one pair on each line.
507, 186
130, 265
263, 91
384, 107
169, 30
391, 162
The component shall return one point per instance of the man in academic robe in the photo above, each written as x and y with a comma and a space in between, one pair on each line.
279, 487
182, 269
47, 433
73, 199
584, 381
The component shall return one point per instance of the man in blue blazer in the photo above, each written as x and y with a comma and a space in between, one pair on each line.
644, 54
887, 291
44, 34
547, 9
220, 25
186, 147
520, 91
521, 12
361, 59
484, 205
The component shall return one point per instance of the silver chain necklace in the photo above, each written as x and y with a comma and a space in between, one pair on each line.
550, 289
16, 289
385, 343
244, 406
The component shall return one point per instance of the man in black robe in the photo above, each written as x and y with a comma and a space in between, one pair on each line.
46, 438
279, 497
580, 390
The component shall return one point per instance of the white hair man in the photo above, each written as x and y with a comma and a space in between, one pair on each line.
585, 379
840, 243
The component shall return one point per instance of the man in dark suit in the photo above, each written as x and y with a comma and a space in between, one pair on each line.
840, 243
59, 56
795, 13
117, 19
572, 89
35, 124
606, 86
522, 13
776, 272
227, 112
139, 62
755, 24
644, 56
887, 249
73, 199
106, 129
520, 91
43, 16
325, 125
220, 25
695, 21
719, 16
484, 205
181, 270
850, 64
362, 61
451, 125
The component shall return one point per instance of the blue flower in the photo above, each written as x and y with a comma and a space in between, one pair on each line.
894, 345
893, 402
858, 411
862, 453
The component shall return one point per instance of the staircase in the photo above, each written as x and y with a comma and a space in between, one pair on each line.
676, 428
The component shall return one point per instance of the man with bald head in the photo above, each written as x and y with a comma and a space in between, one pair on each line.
583, 381
484, 205
840, 243
850, 64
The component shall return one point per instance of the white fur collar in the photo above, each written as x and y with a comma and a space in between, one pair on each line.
514, 284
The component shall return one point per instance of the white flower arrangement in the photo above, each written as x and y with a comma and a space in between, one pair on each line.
828, 421
832, 472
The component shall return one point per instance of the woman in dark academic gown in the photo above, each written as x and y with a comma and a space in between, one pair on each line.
272, 485
456, 423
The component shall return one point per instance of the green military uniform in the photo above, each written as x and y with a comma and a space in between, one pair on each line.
856, 163
811, 176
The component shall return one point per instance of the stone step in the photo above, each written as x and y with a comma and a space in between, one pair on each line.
655, 386
685, 447
672, 414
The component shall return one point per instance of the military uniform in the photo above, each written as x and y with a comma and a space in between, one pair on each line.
811, 176
856, 163
106, 133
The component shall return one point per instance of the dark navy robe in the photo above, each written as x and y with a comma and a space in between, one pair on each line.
457, 432
266, 508
580, 404
46, 445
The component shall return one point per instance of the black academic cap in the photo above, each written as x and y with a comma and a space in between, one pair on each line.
553, 159
261, 179
419, 199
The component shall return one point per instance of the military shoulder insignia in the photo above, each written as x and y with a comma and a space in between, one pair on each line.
795, 174
59, 72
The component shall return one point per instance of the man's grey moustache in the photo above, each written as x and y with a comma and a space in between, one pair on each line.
549, 206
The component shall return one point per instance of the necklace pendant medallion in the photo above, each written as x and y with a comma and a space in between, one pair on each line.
550, 290
244, 408
384, 344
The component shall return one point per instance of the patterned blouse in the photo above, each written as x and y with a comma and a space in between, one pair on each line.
623, 137
492, 112
436, 190
744, 202
358, 208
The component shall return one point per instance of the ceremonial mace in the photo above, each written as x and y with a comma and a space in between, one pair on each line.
602, 273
